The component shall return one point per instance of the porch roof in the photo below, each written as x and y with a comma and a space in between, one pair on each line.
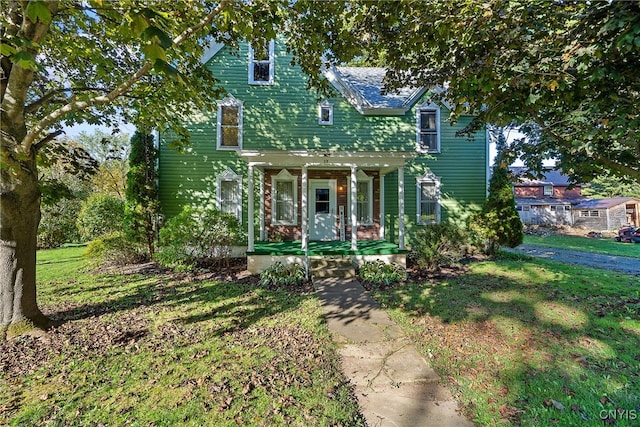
386, 161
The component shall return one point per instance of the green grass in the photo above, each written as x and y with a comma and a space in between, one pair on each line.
578, 243
530, 342
163, 350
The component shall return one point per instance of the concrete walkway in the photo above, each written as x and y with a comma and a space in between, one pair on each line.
394, 384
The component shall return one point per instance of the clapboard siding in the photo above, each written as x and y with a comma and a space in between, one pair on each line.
284, 116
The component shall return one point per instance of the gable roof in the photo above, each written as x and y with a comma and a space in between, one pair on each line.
606, 203
549, 177
363, 87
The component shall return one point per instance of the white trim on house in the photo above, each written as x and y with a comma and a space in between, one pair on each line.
427, 178
211, 51
428, 107
270, 61
284, 176
229, 101
230, 176
362, 178
385, 161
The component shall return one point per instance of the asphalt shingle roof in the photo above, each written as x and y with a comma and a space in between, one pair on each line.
369, 83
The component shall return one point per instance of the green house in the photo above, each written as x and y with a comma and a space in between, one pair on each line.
362, 168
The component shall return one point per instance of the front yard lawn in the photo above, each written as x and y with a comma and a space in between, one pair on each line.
530, 342
605, 246
153, 348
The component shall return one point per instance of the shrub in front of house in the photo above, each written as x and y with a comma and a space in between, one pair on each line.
116, 249
379, 273
197, 237
438, 245
283, 275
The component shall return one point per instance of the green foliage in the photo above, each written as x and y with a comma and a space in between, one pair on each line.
197, 236
100, 214
378, 273
141, 209
564, 70
498, 223
58, 224
65, 169
611, 186
437, 245
115, 248
283, 275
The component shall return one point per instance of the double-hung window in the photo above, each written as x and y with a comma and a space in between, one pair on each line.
229, 193
229, 124
428, 128
428, 199
364, 198
261, 64
285, 198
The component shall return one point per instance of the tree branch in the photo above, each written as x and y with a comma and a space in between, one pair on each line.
38, 145
56, 115
46, 97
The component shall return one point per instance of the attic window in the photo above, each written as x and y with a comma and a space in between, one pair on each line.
548, 190
261, 64
325, 113
428, 128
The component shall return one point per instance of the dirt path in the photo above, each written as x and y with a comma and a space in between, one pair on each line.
621, 264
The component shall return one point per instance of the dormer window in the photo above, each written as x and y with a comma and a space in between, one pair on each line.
261, 64
325, 113
428, 128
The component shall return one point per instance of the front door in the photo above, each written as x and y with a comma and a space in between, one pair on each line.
322, 209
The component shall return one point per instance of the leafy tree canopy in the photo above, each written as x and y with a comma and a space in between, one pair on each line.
566, 72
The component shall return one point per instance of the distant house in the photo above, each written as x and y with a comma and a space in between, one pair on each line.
607, 214
547, 200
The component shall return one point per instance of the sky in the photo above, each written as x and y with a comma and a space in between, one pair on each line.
72, 131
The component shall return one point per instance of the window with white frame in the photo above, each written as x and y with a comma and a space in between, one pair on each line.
428, 128
364, 198
325, 113
229, 124
284, 187
428, 199
229, 193
547, 190
261, 64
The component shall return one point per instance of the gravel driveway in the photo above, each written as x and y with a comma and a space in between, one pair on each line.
622, 264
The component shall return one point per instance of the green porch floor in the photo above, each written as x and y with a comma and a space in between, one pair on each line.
365, 247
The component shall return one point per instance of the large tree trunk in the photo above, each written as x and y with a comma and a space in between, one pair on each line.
19, 219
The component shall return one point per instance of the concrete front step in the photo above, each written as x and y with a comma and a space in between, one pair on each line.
332, 267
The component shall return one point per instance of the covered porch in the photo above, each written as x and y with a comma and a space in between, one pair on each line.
323, 215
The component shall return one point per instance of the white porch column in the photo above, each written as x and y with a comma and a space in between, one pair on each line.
381, 236
261, 183
250, 214
401, 208
305, 209
354, 208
